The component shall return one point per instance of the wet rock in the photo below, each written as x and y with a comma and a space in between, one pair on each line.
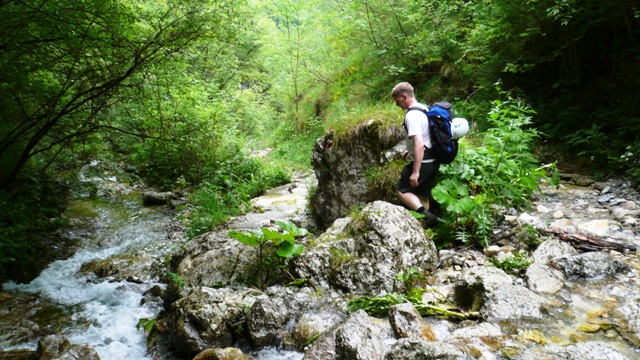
58, 347
480, 341
359, 338
131, 268
340, 167
599, 227
269, 315
52, 346
214, 259
208, 317
407, 322
629, 315
486, 331
552, 249
370, 250
222, 354
577, 179
544, 279
158, 198
590, 265
491, 292
311, 325
418, 349
591, 350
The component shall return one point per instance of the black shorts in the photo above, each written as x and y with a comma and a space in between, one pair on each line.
426, 179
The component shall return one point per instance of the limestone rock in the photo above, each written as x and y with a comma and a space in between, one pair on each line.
359, 339
491, 292
312, 324
358, 336
591, 350
269, 315
215, 259
203, 317
544, 279
629, 315
418, 349
407, 322
340, 166
552, 249
158, 198
381, 242
222, 354
590, 265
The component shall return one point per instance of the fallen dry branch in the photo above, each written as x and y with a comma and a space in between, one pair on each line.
587, 242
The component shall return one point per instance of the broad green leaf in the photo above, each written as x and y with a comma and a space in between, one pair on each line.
288, 250
251, 240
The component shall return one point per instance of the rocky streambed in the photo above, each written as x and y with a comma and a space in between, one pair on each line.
569, 303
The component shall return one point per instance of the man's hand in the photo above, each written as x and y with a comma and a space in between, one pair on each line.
405, 155
413, 180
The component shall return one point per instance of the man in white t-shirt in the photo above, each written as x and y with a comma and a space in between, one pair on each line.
419, 176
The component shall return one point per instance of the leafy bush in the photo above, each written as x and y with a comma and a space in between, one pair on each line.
29, 215
499, 170
512, 264
274, 247
226, 195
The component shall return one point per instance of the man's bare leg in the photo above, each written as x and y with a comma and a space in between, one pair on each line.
412, 200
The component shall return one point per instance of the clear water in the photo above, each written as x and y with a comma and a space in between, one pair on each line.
105, 313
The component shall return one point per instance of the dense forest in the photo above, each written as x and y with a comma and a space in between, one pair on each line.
180, 92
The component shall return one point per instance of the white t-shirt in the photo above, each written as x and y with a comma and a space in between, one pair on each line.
417, 123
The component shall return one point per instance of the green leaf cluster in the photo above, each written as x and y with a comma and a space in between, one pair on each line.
512, 264
496, 167
274, 247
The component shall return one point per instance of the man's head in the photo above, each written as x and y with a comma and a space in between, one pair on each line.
403, 95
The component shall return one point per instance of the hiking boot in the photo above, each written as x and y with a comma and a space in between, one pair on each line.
429, 220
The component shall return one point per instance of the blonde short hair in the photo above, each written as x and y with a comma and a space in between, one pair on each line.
402, 88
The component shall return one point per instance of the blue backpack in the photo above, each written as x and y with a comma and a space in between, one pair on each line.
444, 147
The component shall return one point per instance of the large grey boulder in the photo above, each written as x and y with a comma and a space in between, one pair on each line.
418, 349
358, 336
590, 265
204, 317
362, 254
491, 292
342, 167
269, 315
310, 326
214, 259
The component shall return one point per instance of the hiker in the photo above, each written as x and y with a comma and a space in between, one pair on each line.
418, 176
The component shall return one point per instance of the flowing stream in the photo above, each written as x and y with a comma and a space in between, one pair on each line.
114, 230
103, 313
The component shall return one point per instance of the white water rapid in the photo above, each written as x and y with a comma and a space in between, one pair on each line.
105, 313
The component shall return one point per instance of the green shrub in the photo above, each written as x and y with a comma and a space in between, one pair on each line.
499, 169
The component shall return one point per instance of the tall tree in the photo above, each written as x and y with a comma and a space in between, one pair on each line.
64, 62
